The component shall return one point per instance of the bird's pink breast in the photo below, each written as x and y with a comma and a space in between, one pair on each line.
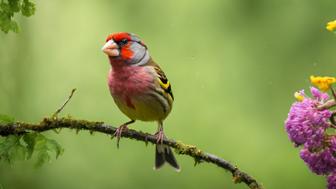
129, 81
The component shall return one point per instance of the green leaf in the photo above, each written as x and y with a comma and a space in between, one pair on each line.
54, 146
8, 8
4, 22
17, 153
5, 7
11, 149
42, 146
13, 26
14, 5
28, 8
5, 146
6, 119
42, 157
29, 139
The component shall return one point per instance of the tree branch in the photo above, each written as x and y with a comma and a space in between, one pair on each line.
199, 156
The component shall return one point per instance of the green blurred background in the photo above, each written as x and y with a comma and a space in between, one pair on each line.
234, 66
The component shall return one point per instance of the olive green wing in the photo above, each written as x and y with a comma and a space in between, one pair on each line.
162, 78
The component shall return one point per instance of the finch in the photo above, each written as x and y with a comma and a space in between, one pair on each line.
139, 88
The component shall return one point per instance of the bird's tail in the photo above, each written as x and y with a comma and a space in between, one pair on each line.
163, 153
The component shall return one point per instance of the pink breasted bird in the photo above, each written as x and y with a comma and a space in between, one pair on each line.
140, 89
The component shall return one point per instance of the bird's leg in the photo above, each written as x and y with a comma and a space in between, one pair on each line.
120, 129
159, 134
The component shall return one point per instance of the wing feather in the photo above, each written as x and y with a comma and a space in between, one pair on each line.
162, 78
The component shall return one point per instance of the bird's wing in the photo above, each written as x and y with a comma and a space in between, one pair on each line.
162, 79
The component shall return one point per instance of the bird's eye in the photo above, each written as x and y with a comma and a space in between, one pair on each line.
123, 42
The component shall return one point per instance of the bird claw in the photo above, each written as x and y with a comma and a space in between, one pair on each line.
118, 133
159, 137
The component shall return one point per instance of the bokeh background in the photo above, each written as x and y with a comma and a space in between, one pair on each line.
234, 66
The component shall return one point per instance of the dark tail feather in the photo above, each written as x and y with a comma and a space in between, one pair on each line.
163, 154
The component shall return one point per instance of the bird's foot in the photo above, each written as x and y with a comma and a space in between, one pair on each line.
118, 133
159, 137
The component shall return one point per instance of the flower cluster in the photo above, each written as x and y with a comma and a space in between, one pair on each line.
306, 126
308, 121
321, 162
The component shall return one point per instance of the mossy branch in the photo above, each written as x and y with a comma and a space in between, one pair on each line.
54, 123
9, 127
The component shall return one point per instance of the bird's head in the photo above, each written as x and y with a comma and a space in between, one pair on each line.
125, 49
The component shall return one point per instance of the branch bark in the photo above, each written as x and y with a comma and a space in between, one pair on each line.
199, 156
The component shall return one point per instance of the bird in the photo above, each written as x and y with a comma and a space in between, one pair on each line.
140, 89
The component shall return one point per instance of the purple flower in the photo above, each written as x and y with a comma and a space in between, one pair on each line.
321, 163
305, 123
320, 96
332, 181
316, 139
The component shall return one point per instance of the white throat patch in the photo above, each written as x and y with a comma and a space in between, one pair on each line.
144, 60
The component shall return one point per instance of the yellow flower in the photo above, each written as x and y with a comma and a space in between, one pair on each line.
323, 83
331, 26
299, 97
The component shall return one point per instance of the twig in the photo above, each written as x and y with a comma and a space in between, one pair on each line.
190, 150
329, 104
64, 104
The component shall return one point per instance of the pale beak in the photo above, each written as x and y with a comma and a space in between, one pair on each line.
111, 48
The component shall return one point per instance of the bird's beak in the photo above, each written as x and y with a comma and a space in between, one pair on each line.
111, 48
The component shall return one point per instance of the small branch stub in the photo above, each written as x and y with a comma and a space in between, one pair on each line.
64, 104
